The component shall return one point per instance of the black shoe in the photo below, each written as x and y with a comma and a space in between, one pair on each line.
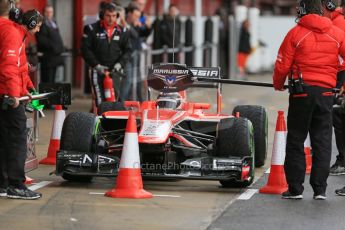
340, 192
336, 170
319, 197
3, 192
288, 195
22, 193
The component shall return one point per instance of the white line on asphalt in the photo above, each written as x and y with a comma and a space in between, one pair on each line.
96, 193
171, 196
268, 171
40, 185
247, 194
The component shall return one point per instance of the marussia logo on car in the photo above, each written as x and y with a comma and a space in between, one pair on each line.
170, 71
205, 73
170, 80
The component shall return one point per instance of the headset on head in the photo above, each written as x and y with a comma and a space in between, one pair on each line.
108, 6
301, 10
15, 14
31, 22
329, 4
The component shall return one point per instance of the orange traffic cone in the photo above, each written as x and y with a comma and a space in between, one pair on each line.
29, 180
307, 151
54, 144
129, 183
276, 181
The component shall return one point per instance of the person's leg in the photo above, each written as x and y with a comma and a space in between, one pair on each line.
117, 81
127, 83
339, 128
137, 81
3, 156
321, 141
170, 58
298, 120
241, 62
16, 145
16, 150
139, 84
97, 87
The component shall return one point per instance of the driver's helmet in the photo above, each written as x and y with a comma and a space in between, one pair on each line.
169, 100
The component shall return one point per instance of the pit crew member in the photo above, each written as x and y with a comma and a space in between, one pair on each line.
105, 46
309, 53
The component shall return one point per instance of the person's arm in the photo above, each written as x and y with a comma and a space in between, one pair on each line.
86, 47
29, 85
145, 29
342, 48
341, 74
284, 61
11, 44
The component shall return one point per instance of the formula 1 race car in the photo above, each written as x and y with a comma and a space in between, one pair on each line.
177, 139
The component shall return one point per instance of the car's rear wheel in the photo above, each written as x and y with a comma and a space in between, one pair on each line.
77, 135
235, 136
258, 116
110, 106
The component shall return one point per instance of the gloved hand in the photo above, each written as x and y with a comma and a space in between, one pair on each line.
35, 105
118, 68
33, 91
100, 68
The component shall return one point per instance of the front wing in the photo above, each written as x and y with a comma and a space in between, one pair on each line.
202, 168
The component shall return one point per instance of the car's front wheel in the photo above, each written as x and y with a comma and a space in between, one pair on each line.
77, 135
258, 116
235, 138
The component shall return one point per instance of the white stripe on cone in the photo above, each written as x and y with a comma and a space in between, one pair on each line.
307, 142
130, 153
278, 156
58, 122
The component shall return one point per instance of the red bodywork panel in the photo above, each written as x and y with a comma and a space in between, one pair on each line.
156, 125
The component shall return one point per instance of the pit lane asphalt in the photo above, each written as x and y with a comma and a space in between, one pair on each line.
270, 212
191, 205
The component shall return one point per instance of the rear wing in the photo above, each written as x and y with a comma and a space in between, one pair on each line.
177, 77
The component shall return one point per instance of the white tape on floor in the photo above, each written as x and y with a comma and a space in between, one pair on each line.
170, 196
247, 194
40, 185
96, 193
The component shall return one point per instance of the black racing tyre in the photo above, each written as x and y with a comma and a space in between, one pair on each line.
77, 132
258, 116
110, 106
235, 138
77, 135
